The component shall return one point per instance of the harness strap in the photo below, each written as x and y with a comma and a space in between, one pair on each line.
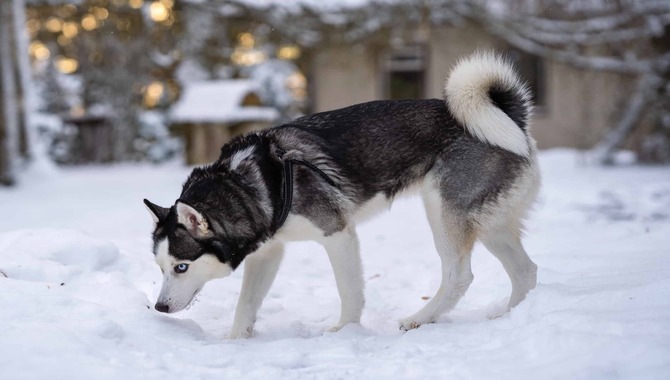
287, 194
287, 189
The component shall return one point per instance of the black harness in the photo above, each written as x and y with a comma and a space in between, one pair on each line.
287, 189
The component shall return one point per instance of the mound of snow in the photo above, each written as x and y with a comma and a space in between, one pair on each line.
52, 255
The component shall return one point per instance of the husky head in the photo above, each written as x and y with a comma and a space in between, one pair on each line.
223, 215
187, 252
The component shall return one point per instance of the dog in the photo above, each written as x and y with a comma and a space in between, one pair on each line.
470, 156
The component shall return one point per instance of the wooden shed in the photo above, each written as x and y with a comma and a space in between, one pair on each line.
94, 143
209, 114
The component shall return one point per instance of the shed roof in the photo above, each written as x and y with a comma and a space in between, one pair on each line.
219, 102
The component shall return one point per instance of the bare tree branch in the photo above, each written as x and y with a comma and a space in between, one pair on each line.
637, 103
524, 38
569, 37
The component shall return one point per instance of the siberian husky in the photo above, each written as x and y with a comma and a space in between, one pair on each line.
470, 155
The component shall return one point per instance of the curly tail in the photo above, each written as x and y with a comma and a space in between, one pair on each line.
485, 94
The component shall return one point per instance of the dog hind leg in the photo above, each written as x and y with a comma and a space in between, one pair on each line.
260, 270
454, 239
505, 245
343, 253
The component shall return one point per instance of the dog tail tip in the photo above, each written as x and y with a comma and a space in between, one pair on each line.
486, 95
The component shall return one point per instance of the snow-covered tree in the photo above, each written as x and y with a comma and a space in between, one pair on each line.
119, 55
274, 77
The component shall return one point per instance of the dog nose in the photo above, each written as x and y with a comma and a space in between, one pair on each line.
163, 308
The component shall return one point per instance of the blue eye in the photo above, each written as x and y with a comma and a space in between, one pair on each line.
181, 268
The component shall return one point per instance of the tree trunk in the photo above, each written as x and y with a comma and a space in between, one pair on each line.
27, 134
8, 114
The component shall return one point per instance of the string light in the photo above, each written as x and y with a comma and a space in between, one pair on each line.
136, 4
67, 65
248, 57
153, 93
246, 40
159, 12
89, 22
70, 29
39, 50
288, 52
100, 13
54, 25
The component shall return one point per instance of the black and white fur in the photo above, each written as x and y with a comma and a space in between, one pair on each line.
471, 158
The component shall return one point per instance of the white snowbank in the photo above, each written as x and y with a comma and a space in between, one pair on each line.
53, 255
77, 300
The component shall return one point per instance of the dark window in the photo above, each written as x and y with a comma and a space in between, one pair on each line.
405, 70
531, 69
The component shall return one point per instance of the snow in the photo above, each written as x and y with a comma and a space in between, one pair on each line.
219, 102
80, 286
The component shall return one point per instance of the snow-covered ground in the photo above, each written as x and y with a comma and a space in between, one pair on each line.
80, 285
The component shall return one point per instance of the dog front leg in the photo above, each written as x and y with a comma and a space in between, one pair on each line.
260, 270
343, 252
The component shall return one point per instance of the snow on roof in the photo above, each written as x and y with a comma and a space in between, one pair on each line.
219, 102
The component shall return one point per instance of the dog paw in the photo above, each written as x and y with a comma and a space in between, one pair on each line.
335, 328
341, 325
242, 333
411, 323
406, 326
496, 313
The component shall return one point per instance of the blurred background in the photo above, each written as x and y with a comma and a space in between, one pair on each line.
103, 81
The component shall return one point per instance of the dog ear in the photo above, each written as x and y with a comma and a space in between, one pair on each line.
195, 222
158, 213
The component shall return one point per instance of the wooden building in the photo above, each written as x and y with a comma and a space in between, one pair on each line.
573, 108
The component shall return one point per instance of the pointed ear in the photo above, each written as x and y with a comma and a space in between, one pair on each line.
195, 223
158, 213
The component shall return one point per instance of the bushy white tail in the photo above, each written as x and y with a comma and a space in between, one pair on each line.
485, 94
